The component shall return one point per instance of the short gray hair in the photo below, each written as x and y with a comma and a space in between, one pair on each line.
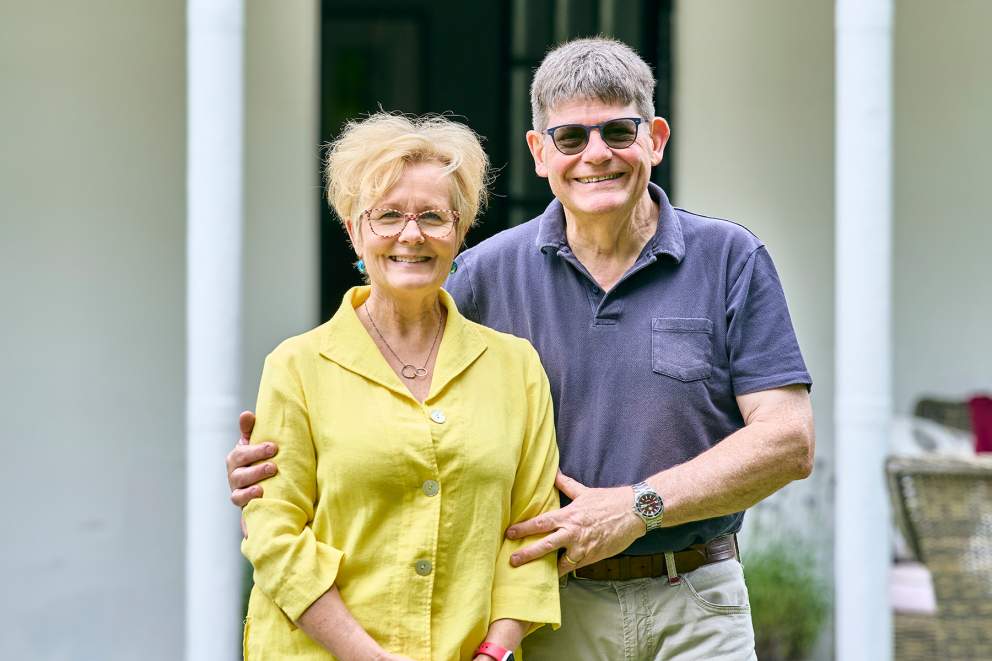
593, 68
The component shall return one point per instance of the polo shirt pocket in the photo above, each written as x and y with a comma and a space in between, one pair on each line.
681, 347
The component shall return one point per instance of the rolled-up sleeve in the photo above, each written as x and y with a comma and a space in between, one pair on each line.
529, 593
291, 566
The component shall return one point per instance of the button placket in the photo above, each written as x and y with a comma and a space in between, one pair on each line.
431, 487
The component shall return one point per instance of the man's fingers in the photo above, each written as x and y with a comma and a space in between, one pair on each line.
568, 486
242, 497
246, 422
242, 478
567, 564
549, 544
246, 455
543, 523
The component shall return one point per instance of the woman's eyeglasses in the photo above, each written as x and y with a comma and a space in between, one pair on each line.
433, 223
571, 139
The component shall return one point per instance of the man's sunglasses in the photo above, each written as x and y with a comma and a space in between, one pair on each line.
571, 139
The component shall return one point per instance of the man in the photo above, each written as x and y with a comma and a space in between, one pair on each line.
681, 397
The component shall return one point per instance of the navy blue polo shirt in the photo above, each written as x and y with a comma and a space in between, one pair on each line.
643, 377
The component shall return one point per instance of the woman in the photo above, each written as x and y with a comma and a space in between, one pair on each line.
410, 436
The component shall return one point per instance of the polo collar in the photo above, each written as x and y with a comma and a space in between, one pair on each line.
667, 239
346, 342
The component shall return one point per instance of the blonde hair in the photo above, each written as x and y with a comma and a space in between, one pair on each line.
369, 155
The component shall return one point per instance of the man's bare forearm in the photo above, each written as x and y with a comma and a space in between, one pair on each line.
774, 448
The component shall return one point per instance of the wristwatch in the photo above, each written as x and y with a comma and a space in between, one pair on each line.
494, 651
648, 505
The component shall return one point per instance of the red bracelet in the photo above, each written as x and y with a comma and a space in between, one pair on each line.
494, 651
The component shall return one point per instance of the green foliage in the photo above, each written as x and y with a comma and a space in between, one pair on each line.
788, 602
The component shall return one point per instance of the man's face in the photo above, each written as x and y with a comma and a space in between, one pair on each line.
599, 180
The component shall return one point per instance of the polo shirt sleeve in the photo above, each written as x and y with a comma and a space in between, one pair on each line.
761, 342
529, 593
459, 285
291, 567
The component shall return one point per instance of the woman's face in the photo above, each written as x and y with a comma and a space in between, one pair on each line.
410, 264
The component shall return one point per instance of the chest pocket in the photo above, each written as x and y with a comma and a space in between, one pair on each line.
681, 347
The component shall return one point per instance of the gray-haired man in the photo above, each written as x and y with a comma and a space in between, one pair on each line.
680, 393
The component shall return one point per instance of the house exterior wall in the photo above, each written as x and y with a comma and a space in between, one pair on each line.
753, 139
942, 313
282, 180
93, 289
753, 136
92, 260
92, 279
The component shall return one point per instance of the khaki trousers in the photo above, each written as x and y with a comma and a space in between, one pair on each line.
705, 616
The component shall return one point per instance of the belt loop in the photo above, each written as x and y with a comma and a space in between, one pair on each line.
673, 574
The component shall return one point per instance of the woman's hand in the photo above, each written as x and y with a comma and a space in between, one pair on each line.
329, 622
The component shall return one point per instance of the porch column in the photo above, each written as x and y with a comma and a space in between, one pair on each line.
214, 69
862, 552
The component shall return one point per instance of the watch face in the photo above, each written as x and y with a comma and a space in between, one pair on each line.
649, 504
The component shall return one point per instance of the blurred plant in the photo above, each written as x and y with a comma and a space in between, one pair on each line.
788, 602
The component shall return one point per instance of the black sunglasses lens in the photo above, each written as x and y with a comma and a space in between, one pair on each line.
620, 133
570, 139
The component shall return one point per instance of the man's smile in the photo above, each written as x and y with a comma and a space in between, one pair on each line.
598, 178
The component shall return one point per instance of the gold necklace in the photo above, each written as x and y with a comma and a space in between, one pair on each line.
408, 371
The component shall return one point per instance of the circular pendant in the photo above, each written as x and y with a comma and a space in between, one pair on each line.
410, 372
421, 372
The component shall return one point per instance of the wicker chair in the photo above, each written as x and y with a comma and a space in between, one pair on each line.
945, 508
951, 413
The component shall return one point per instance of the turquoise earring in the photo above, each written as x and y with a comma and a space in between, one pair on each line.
360, 265
454, 267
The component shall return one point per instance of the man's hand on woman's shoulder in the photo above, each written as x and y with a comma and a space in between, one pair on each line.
242, 476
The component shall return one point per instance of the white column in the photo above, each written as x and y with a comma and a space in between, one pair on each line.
215, 36
863, 327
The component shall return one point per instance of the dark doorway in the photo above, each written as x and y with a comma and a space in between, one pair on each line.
474, 60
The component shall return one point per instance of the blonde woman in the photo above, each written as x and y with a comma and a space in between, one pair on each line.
410, 437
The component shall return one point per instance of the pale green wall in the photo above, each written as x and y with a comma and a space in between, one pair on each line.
753, 139
92, 283
753, 142
92, 280
282, 180
943, 208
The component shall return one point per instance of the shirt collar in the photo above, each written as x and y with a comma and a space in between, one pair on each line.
667, 239
346, 342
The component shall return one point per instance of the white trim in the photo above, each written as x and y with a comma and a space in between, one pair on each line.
862, 549
215, 116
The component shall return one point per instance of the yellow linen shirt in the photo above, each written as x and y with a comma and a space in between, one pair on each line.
401, 504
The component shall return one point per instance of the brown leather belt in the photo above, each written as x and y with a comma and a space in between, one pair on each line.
625, 567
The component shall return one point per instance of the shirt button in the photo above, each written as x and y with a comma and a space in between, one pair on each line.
431, 487
437, 415
423, 567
